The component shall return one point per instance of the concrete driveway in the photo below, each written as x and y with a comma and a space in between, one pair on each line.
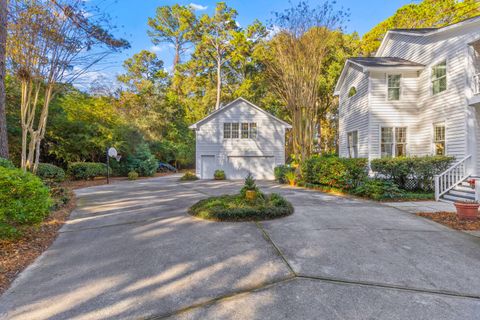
130, 251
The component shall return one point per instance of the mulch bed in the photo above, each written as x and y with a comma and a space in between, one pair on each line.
450, 219
17, 254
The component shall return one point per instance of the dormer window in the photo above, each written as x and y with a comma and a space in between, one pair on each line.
393, 83
439, 77
352, 92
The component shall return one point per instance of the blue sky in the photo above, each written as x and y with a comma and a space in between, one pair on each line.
131, 17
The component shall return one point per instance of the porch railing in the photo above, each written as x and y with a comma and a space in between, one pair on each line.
452, 177
476, 84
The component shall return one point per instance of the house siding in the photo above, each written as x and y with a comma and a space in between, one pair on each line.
353, 112
270, 141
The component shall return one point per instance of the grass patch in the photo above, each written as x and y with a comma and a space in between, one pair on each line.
237, 208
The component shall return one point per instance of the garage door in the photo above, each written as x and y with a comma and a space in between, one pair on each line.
207, 166
259, 167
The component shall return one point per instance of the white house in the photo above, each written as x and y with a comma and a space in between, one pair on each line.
420, 95
239, 138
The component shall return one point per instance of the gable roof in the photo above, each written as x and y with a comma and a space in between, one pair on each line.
233, 103
376, 63
424, 32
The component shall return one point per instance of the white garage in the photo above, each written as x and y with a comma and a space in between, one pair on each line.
240, 138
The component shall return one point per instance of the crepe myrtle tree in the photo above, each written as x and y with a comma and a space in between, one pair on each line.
52, 43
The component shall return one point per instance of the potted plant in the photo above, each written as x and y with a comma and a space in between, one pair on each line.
467, 210
250, 188
290, 176
471, 182
219, 175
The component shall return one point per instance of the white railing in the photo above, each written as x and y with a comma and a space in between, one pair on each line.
452, 177
476, 84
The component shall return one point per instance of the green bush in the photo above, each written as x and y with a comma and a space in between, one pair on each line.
377, 189
132, 175
87, 170
5, 163
411, 173
332, 171
50, 172
281, 171
142, 161
249, 185
189, 176
24, 200
219, 175
237, 208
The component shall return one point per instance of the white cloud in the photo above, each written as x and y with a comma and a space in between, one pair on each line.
197, 7
156, 49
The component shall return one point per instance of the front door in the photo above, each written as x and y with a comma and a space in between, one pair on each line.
207, 166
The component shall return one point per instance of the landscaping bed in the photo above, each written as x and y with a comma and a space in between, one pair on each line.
237, 208
17, 253
451, 220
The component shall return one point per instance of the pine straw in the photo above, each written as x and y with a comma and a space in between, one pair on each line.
17, 254
450, 219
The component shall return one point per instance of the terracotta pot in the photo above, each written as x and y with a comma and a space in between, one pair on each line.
292, 183
250, 194
467, 211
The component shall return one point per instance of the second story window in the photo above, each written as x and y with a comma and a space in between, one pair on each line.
439, 77
235, 130
244, 130
227, 130
352, 92
393, 82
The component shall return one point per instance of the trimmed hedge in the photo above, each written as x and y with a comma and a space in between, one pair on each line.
24, 200
332, 171
219, 175
237, 208
377, 189
50, 172
189, 176
281, 171
87, 170
411, 173
132, 175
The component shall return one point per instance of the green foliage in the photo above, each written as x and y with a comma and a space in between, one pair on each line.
86, 170
280, 172
189, 176
411, 172
142, 161
237, 208
425, 14
291, 177
377, 189
219, 175
5, 163
50, 172
332, 171
249, 185
24, 200
132, 175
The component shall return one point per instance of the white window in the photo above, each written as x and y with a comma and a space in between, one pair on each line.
352, 141
235, 129
352, 92
439, 77
393, 142
244, 131
253, 130
227, 130
439, 139
393, 84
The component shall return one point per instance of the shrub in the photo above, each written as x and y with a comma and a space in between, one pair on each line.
411, 173
50, 172
24, 200
189, 176
87, 170
249, 185
377, 189
237, 208
132, 175
142, 161
334, 172
5, 163
290, 176
280, 172
219, 175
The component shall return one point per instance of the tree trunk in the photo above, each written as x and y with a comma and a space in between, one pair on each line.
176, 59
219, 83
3, 44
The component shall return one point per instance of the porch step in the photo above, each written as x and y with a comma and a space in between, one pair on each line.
462, 192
